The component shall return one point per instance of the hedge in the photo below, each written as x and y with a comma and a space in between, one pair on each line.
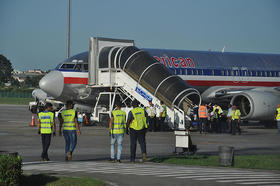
10, 169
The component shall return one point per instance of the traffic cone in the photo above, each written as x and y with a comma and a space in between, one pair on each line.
32, 123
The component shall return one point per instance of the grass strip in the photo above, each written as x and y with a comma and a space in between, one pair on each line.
44, 179
267, 162
16, 101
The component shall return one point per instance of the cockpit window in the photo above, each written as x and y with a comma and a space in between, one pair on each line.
67, 66
78, 67
86, 67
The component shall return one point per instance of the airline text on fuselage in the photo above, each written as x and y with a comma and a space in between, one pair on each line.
175, 62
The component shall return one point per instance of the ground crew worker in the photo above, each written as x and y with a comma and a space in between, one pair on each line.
217, 111
151, 111
69, 120
46, 126
235, 120
203, 118
117, 127
229, 118
161, 116
277, 117
136, 127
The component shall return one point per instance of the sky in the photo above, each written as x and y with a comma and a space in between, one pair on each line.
33, 32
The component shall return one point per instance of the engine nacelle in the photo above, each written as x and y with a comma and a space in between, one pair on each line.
256, 105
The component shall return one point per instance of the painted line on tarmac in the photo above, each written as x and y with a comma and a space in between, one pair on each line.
261, 183
236, 177
249, 180
211, 176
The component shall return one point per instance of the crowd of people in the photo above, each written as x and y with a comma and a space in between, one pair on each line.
213, 119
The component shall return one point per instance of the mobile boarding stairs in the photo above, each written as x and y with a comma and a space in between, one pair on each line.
128, 73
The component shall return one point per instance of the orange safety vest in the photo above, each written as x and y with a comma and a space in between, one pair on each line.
202, 112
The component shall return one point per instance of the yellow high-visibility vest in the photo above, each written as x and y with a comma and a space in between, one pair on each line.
139, 121
219, 109
46, 120
278, 114
68, 119
235, 114
164, 111
119, 124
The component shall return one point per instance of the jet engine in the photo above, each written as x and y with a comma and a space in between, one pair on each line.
256, 105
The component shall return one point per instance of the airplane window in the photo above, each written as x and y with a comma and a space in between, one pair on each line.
270, 74
274, 74
265, 74
227, 73
261, 73
67, 66
183, 71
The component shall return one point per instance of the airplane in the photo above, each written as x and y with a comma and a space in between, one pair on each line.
249, 80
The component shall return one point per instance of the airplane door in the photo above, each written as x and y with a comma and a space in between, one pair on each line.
236, 74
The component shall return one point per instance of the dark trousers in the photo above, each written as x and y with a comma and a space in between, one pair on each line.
229, 126
134, 136
152, 124
160, 123
235, 125
203, 124
217, 125
46, 141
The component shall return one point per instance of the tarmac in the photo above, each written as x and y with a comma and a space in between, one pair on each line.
93, 149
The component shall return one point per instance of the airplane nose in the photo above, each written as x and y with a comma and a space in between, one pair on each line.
52, 83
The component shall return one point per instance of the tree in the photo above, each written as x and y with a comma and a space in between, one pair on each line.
32, 81
5, 70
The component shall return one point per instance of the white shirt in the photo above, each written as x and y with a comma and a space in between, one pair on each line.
161, 109
229, 112
151, 111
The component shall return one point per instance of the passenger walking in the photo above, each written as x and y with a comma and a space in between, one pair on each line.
136, 127
69, 120
277, 117
235, 120
117, 127
151, 111
46, 126
161, 116
203, 118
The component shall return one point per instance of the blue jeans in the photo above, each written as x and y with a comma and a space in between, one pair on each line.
70, 137
119, 139
278, 126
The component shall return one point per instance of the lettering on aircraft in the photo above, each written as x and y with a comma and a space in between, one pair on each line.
143, 94
175, 62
